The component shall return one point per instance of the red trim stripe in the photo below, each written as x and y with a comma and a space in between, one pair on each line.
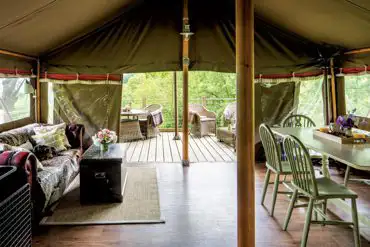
355, 70
15, 72
83, 77
283, 76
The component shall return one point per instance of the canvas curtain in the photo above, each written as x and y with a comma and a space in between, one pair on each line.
95, 105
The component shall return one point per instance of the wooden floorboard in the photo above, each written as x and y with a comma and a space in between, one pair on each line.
199, 205
164, 149
159, 154
152, 149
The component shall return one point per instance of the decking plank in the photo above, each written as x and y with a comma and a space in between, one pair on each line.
130, 150
196, 150
219, 152
192, 156
152, 149
204, 149
227, 149
174, 150
159, 154
166, 148
137, 151
144, 151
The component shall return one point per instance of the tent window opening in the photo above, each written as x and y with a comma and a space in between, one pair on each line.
310, 100
357, 90
15, 99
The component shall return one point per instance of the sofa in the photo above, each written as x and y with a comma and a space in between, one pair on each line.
49, 178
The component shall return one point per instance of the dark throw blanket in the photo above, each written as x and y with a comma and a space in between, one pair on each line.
156, 118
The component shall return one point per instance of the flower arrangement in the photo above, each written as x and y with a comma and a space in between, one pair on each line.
104, 137
344, 124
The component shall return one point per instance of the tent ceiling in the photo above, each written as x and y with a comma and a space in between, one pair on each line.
338, 22
34, 27
71, 35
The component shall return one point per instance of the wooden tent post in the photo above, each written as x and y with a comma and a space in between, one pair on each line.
185, 75
38, 94
333, 90
245, 122
176, 115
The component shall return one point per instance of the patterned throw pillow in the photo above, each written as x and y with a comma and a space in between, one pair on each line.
54, 138
47, 128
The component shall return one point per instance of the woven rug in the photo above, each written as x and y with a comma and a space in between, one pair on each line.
140, 204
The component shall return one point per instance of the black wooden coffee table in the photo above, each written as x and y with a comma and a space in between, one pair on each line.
102, 177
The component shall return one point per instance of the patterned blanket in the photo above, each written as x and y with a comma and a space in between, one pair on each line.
26, 164
156, 118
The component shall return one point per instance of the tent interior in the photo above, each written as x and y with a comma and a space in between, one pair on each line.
74, 53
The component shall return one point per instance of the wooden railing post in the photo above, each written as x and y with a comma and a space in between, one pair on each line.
204, 101
143, 102
245, 122
176, 115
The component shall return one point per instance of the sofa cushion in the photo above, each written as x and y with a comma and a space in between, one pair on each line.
18, 136
54, 138
49, 128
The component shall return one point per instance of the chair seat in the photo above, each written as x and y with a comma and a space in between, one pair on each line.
284, 165
327, 188
206, 119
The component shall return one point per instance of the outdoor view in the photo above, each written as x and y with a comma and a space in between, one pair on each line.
357, 94
214, 89
14, 103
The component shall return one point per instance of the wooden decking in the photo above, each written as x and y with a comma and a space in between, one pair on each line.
164, 149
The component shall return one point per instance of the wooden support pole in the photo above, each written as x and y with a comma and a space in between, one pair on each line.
15, 54
38, 94
185, 75
245, 122
120, 110
176, 115
333, 90
358, 51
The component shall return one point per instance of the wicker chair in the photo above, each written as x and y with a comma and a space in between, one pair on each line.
203, 121
146, 123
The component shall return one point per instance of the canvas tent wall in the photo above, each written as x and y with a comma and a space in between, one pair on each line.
99, 37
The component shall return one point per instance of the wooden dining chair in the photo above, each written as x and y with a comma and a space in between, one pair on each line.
317, 190
298, 120
274, 164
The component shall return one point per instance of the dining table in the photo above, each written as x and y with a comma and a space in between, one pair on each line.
354, 155
134, 113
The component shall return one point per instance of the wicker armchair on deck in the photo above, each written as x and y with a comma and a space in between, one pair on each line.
149, 124
203, 121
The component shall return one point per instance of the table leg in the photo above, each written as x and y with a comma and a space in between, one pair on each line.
325, 166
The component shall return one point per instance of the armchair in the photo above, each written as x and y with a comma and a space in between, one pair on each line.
203, 121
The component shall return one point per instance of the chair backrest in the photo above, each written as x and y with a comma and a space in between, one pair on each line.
272, 149
298, 121
230, 112
153, 107
301, 165
196, 108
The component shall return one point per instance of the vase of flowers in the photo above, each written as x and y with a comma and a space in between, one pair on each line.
103, 138
344, 124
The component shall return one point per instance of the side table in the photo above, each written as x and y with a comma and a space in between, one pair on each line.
102, 177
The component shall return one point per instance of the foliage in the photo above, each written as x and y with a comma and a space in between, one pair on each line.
157, 88
357, 91
219, 89
311, 101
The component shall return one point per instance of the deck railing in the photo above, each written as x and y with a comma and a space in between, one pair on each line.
216, 105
